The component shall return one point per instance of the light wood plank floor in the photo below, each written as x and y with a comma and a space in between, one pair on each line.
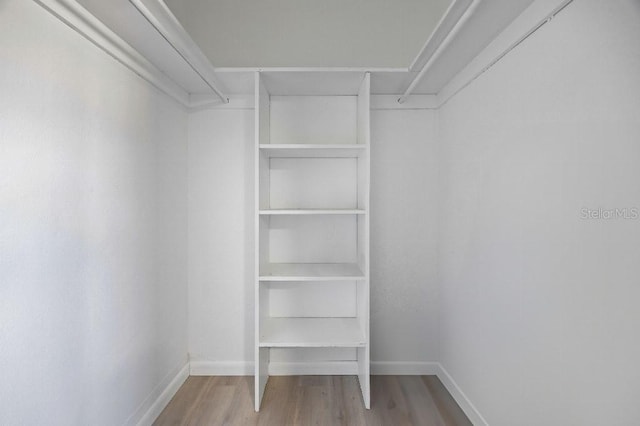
313, 400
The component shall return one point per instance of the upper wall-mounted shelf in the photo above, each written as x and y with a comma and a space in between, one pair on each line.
169, 59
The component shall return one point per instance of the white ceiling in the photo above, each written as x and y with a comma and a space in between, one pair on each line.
309, 33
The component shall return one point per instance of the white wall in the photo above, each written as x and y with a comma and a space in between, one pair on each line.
403, 229
93, 296
404, 190
539, 307
221, 239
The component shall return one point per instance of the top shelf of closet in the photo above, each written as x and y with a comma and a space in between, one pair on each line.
313, 150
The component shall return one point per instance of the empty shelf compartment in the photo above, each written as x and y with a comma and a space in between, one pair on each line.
311, 333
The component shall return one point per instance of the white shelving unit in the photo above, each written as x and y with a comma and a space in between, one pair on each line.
311, 227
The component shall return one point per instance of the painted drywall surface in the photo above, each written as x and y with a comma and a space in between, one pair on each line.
403, 227
221, 257
539, 306
92, 229
293, 33
404, 188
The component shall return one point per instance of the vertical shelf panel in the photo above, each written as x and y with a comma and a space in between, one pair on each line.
261, 188
364, 137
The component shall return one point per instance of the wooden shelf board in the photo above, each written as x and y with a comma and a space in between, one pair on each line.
311, 272
311, 333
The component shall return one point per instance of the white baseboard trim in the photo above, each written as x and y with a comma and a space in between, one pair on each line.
201, 367
151, 408
242, 368
392, 368
463, 401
